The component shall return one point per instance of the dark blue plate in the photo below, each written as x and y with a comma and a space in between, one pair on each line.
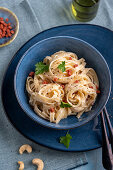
86, 137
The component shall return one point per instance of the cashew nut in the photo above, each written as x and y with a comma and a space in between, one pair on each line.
25, 147
21, 165
39, 163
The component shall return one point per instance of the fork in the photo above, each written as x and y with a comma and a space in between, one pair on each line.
107, 143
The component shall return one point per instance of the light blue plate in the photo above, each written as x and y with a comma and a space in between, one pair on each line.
86, 137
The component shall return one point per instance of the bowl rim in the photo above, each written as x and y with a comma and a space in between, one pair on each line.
17, 27
78, 124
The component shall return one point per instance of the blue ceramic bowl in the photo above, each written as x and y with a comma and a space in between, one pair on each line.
6, 13
47, 47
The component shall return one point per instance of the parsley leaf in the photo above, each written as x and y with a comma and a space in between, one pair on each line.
63, 104
62, 66
41, 68
66, 140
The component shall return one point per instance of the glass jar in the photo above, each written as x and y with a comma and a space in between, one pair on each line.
84, 10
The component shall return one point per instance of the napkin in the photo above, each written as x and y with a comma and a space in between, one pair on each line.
10, 139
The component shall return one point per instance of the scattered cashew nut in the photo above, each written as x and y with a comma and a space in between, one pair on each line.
25, 147
21, 165
39, 163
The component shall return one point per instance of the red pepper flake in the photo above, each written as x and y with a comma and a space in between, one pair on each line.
76, 81
91, 87
63, 86
55, 79
96, 87
6, 19
31, 74
65, 100
52, 109
45, 82
70, 58
76, 65
98, 91
69, 72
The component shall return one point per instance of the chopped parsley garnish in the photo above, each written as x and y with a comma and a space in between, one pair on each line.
66, 140
41, 68
63, 104
62, 66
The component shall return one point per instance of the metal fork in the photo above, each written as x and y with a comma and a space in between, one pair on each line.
107, 143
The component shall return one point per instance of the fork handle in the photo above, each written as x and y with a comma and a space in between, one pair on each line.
107, 157
109, 127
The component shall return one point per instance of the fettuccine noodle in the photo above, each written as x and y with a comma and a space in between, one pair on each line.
77, 86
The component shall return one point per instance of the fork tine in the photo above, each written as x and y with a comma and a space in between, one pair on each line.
109, 127
107, 157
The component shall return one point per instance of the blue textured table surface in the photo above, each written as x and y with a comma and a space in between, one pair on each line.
48, 14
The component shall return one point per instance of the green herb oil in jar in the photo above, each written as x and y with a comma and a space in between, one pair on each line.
84, 10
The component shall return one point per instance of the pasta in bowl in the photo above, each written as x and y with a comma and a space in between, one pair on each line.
58, 82
65, 88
